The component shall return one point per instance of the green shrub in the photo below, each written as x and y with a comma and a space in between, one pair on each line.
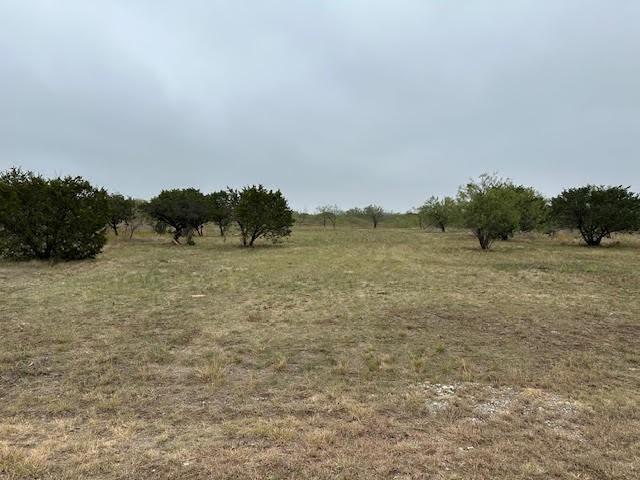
185, 210
489, 208
597, 211
121, 210
439, 213
59, 218
221, 210
495, 208
261, 213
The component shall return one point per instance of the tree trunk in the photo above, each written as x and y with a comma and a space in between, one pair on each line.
593, 241
484, 239
591, 238
254, 236
189, 236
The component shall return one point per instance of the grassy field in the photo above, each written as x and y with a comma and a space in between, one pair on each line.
348, 353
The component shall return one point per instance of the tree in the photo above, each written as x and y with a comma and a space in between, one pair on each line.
260, 213
59, 218
137, 218
533, 209
301, 217
374, 213
120, 210
355, 212
439, 213
221, 210
185, 210
328, 213
597, 211
489, 208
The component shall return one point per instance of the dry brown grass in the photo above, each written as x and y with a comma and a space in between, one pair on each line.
338, 354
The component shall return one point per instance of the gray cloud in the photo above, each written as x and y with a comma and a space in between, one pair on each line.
347, 102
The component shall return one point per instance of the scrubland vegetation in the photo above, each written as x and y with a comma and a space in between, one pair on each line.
339, 353
350, 349
67, 218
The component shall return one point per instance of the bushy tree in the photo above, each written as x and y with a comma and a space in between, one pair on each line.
439, 213
185, 210
59, 218
221, 210
533, 209
495, 208
120, 210
355, 212
260, 213
328, 213
489, 208
374, 213
597, 211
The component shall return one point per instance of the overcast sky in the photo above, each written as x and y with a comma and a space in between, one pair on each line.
347, 102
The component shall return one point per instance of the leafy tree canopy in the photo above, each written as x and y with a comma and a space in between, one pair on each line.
261, 213
59, 218
533, 208
375, 214
121, 210
221, 212
489, 208
184, 210
597, 211
439, 213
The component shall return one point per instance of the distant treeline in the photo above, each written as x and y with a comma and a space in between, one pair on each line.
355, 218
496, 208
67, 218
